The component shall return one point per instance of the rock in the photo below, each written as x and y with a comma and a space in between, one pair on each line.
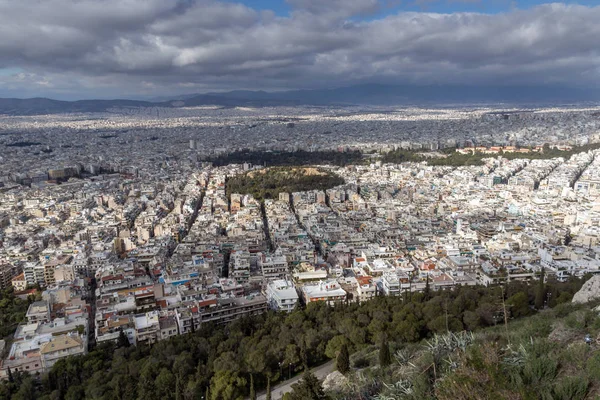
589, 291
335, 381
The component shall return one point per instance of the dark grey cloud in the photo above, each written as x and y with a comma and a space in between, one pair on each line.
152, 47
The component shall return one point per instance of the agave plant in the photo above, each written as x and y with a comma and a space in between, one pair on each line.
403, 357
383, 397
451, 364
515, 357
449, 342
403, 387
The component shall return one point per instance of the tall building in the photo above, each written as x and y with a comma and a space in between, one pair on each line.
7, 272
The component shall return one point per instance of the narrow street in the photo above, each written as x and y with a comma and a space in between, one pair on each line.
279, 390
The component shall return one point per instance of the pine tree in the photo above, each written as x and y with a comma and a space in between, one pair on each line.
268, 396
122, 341
342, 362
10, 376
308, 388
385, 359
252, 391
427, 289
540, 293
177, 388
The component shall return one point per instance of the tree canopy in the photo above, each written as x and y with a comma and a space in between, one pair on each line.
222, 359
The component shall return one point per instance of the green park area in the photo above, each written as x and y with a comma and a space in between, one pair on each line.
268, 183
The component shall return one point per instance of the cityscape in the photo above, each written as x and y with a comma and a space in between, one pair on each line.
152, 243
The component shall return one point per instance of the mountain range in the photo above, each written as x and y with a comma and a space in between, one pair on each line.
366, 94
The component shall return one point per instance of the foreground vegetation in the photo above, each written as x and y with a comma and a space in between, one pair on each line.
220, 362
268, 183
539, 357
289, 158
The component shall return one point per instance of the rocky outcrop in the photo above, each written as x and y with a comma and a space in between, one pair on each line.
589, 291
335, 381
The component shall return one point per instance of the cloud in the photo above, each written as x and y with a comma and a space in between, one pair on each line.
135, 46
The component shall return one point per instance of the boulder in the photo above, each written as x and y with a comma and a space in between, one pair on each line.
335, 381
589, 291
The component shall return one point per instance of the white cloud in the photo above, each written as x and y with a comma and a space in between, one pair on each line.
122, 45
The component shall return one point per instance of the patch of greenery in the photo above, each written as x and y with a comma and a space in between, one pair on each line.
12, 312
457, 159
268, 183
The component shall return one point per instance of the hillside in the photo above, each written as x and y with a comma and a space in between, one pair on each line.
365, 94
219, 362
543, 356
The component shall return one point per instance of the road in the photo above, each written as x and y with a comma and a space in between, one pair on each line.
279, 390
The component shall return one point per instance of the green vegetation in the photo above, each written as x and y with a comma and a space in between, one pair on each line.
309, 387
220, 359
12, 312
456, 159
342, 362
540, 357
268, 183
385, 359
289, 158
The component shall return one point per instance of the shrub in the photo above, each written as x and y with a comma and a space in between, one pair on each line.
592, 367
360, 362
564, 309
571, 388
540, 370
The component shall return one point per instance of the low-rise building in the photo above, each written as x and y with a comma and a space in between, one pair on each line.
328, 291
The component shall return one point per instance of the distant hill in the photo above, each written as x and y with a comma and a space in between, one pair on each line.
366, 94
38, 106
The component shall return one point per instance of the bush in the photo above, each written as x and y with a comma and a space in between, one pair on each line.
360, 362
540, 370
592, 367
575, 354
577, 320
564, 309
571, 388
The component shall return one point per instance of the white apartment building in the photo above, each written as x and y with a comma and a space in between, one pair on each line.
328, 291
281, 295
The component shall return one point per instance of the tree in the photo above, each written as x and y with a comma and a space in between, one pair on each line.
309, 388
334, 346
122, 341
342, 362
252, 391
427, 290
10, 376
165, 384
227, 385
268, 395
385, 358
26, 390
540, 292
177, 388
519, 305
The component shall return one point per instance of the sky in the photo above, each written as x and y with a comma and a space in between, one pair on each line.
74, 49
